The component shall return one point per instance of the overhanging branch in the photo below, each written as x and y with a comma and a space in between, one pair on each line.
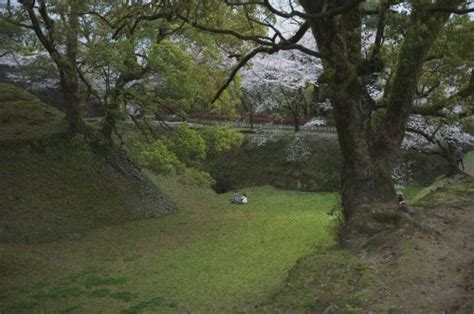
349, 4
243, 61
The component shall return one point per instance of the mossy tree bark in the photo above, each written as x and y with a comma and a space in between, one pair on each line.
66, 61
115, 97
369, 153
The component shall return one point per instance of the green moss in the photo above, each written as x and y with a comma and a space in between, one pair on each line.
448, 191
411, 192
326, 277
377, 119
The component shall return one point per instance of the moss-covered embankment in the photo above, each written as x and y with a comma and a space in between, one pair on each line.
50, 187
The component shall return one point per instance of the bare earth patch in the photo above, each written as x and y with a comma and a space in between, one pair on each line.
432, 269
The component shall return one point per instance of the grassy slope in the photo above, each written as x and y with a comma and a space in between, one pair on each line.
424, 195
65, 191
23, 117
214, 256
433, 264
469, 163
51, 188
340, 280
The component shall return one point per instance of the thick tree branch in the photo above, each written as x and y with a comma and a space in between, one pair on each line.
349, 4
47, 43
243, 61
90, 90
268, 42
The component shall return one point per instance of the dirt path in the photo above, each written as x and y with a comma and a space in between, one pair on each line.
432, 269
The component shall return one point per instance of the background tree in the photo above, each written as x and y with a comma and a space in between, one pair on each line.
444, 100
59, 36
337, 26
290, 71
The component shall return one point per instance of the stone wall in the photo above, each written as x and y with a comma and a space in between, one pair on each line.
304, 162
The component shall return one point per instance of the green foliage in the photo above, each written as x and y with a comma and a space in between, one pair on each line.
95, 136
10, 34
186, 82
177, 87
184, 151
337, 213
468, 126
78, 143
187, 145
220, 139
193, 176
160, 158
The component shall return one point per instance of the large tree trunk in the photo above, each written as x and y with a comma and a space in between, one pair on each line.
66, 62
72, 102
424, 28
108, 125
112, 108
369, 154
365, 179
296, 123
69, 76
115, 97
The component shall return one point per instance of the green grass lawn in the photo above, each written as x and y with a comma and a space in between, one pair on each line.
212, 257
469, 163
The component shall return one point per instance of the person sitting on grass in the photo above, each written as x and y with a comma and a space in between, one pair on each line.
238, 199
243, 199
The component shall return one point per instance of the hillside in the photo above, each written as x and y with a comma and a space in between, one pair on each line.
24, 118
424, 266
53, 188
